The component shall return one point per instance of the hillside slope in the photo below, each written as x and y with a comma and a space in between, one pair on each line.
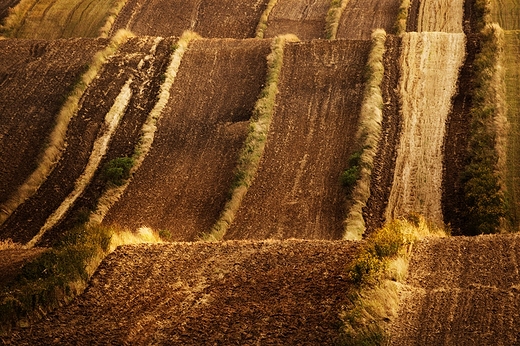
461, 291
297, 191
244, 293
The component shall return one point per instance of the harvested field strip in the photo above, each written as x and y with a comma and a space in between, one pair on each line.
512, 81
183, 184
211, 19
426, 95
297, 191
506, 13
254, 145
441, 16
369, 133
207, 293
262, 24
361, 17
51, 19
56, 140
456, 295
149, 127
303, 18
99, 149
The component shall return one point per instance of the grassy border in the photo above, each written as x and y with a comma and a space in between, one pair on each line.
253, 149
111, 195
54, 149
370, 133
262, 24
16, 17
105, 30
402, 17
333, 17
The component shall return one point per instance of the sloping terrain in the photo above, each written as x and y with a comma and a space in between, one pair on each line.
360, 18
297, 192
245, 293
305, 19
35, 78
461, 291
83, 130
426, 102
184, 181
231, 19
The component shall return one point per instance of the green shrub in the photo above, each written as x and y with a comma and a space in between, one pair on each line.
117, 171
165, 234
350, 176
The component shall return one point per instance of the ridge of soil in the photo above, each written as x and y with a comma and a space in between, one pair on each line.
210, 19
245, 293
83, 129
297, 191
461, 291
361, 17
305, 19
384, 162
35, 78
184, 182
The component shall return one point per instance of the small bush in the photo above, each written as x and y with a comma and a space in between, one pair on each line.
165, 234
350, 176
117, 171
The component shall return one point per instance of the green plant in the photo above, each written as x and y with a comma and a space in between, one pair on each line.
117, 171
165, 234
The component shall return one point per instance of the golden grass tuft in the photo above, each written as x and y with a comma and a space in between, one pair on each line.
253, 149
402, 17
111, 195
333, 17
53, 151
264, 18
370, 132
105, 30
9, 245
15, 18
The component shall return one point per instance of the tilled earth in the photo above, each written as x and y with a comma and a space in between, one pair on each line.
238, 292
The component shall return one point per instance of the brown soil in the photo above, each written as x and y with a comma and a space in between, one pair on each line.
456, 142
245, 293
184, 181
12, 261
305, 19
361, 17
229, 18
461, 291
27, 220
4, 8
413, 16
35, 78
297, 192
384, 162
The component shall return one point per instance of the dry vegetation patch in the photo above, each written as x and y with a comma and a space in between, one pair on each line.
441, 16
506, 13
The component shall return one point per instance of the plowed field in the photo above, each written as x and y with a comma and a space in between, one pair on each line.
297, 192
183, 183
243, 293
229, 18
361, 17
35, 78
430, 65
461, 291
305, 19
28, 219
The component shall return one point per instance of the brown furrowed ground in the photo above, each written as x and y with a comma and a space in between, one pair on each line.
297, 192
305, 19
28, 219
184, 181
35, 79
229, 293
230, 18
384, 162
361, 17
461, 291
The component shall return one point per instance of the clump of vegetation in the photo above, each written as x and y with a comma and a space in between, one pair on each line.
262, 24
482, 178
61, 272
333, 17
482, 13
402, 17
358, 175
253, 149
111, 18
117, 171
375, 274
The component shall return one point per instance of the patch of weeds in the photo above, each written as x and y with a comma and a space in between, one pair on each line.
117, 171
165, 234
350, 176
